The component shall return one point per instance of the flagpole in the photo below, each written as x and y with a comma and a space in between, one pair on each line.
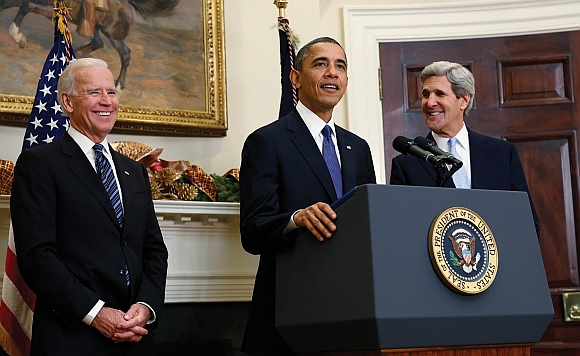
281, 5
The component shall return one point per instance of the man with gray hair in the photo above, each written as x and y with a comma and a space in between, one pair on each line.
488, 163
86, 235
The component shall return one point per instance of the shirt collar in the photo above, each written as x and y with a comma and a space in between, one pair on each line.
314, 123
462, 138
85, 143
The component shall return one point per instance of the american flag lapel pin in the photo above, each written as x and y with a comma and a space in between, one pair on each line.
127, 173
348, 147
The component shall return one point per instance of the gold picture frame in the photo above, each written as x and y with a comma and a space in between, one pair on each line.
176, 78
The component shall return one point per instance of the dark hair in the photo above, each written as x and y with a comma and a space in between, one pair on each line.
305, 50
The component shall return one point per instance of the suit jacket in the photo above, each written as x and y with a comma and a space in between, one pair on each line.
282, 171
495, 165
72, 252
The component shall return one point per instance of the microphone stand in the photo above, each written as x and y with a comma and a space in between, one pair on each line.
446, 173
441, 168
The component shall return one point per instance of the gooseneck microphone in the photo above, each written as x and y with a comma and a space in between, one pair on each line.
431, 146
409, 147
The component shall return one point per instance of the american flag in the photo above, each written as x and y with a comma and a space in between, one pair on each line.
46, 124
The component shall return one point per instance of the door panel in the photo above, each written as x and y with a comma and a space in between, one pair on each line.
525, 89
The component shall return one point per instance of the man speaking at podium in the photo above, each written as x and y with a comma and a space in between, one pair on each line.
488, 163
291, 170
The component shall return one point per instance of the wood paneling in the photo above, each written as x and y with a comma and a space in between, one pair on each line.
529, 82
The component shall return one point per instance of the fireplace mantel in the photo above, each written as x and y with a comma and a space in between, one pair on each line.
206, 259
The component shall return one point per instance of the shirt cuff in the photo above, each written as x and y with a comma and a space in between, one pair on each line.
153, 316
88, 319
291, 224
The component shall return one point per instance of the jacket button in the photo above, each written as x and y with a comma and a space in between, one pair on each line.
123, 243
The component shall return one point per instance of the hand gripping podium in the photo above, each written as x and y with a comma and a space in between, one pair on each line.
372, 286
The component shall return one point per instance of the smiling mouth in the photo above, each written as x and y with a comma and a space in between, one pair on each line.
329, 86
434, 113
103, 113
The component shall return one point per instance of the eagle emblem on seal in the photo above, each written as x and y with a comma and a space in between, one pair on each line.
464, 247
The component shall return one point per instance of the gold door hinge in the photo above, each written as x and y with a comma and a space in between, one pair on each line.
571, 306
380, 84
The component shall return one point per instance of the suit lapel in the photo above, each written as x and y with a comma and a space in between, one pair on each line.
347, 161
82, 169
479, 164
304, 143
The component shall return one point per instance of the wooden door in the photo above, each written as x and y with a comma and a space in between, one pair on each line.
525, 88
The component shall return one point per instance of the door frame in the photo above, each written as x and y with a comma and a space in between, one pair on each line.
366, 26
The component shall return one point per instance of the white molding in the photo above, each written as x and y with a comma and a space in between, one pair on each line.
366, 26
188, 288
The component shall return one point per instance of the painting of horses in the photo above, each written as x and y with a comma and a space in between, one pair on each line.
167, 57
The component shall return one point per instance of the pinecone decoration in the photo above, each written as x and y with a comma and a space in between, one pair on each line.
184, 191
155, 190
167, 176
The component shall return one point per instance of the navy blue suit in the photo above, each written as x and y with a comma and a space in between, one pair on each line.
495, 165
72, 252
282, 171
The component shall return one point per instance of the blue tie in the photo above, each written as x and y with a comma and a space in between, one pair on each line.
105, 172
331, 160
460, 177
108, 178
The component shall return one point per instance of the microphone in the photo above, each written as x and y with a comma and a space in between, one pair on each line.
431, 146
407, 146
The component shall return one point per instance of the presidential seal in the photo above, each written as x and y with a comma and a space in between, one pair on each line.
463, 250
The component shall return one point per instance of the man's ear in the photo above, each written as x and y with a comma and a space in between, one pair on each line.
66, 102
465, 101
295, 78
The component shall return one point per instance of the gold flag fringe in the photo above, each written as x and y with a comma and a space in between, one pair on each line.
8, 343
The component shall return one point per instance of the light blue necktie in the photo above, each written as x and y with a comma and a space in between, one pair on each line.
460, 177
105, 172
331, 160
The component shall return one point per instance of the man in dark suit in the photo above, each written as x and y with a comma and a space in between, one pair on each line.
488, 163
93, 254
286, 185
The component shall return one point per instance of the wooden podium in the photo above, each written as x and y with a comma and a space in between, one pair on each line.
372, 289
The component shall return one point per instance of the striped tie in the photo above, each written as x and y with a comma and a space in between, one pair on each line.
108, 178
105, 172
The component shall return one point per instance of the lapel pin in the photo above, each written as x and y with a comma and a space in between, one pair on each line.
127, 173
348, 148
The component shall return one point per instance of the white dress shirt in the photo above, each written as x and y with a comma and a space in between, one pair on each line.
462, 147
